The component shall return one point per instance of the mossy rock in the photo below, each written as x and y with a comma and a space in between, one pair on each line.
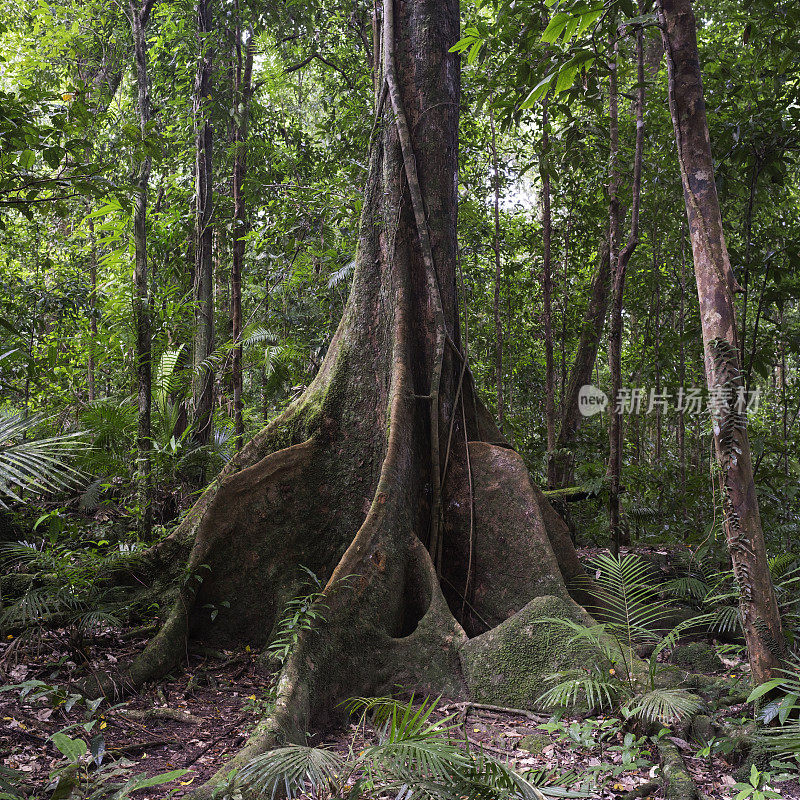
702, 728
697, 657
759, 756
533, 743
507, 665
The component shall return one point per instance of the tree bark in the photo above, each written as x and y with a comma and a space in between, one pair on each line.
582, 366
139, 16
715, 287
203, 383
242, 93
345, 481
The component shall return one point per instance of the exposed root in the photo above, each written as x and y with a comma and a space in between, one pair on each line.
678, 784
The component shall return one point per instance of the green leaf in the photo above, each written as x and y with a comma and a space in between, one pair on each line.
72, 749
26, 159
474, 51
537, 92
566, 77
555, 27
143, 782
763, 689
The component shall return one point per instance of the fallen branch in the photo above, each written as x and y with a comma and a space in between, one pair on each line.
572, 494
518, 712
174, 714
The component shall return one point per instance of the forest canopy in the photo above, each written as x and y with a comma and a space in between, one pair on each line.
397, 350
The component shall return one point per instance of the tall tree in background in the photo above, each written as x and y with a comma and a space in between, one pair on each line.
580, 374
547, 293
619, 260
498, 275
716, 286
203, 384
243, 76
139, 17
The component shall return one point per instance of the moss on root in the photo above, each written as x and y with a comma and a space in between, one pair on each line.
507, 664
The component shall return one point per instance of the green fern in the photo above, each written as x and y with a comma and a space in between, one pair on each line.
632, 614
416, 758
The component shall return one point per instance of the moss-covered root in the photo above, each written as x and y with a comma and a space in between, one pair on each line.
507, 664
347, 654
678, 784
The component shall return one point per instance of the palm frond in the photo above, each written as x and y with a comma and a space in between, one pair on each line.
782, 564
36, 604
626, 599
689, 586
341, 274
726, 619
490, 779
666, 706
165, 379
599, 691
290, 770
254, 335
39, 464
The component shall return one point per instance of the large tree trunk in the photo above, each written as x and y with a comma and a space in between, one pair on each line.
715, 288
345, 481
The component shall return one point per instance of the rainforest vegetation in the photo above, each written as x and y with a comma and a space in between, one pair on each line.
399, 398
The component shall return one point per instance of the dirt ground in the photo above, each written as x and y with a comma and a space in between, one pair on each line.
197, 718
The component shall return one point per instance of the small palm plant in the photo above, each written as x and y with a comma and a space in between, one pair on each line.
39, 464
416, 756
631, 616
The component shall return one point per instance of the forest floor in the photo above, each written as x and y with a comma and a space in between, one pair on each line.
196, 719
215, 702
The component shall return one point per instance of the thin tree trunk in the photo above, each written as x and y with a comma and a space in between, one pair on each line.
90, 382
615, 338
715, 288
682, 379
748, 229
784, 404
498, 276
657, 348
582, 366
139, 15
204, 264
748, 372
563, 343
547, 316
242, 93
